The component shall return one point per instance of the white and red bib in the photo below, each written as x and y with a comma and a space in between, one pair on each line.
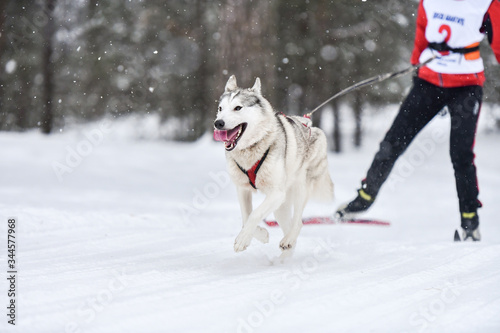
458, 24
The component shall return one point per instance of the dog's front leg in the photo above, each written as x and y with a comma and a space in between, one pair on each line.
245, 200
270, 203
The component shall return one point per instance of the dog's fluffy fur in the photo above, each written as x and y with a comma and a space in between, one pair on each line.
294, 169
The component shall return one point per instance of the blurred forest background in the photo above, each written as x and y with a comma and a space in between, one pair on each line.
65, 61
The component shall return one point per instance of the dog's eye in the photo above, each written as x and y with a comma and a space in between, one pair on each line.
220, 108
238, 108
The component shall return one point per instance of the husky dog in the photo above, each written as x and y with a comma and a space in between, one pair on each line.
284, 157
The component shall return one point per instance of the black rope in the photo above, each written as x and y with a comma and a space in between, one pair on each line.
375, 79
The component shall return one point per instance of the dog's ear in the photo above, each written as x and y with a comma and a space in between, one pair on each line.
231, 84
256, 86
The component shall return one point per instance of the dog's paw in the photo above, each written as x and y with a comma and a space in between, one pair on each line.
261, 235
288, 243
242, 241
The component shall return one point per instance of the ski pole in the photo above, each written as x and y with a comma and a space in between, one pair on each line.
375, 79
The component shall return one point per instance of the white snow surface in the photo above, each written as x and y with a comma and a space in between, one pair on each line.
136, 235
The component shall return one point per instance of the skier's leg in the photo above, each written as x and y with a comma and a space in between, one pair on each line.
423, 102
421, 105
464, 110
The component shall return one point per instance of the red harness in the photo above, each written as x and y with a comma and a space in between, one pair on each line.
252, 172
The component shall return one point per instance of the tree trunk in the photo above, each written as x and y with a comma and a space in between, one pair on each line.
337, 135
201, 99
357, 108
3, 33
48, 69
245, 44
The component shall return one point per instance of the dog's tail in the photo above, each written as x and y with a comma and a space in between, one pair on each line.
323, 188
318, 175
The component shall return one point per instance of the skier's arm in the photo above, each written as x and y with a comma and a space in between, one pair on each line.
420, 41
493, 28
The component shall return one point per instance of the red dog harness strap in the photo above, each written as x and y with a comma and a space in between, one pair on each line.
252, 173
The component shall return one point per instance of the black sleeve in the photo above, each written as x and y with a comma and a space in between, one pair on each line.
486, 28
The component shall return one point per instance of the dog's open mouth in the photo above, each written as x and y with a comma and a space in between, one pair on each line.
230, 137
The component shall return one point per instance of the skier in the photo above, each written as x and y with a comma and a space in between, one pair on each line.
452, 30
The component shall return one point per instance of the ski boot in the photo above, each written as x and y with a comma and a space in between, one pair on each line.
470, 227
359, 205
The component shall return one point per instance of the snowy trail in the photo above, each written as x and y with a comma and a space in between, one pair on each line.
128, 242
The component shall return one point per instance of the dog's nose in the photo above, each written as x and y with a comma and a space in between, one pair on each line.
219, 124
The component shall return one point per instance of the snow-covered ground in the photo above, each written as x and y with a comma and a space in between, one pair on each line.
116, 234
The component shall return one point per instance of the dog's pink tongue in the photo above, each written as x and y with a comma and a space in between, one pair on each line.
220, 135
226, 135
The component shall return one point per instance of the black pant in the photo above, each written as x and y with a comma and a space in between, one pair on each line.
423, 102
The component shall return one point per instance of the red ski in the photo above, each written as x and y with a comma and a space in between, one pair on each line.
331, 220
